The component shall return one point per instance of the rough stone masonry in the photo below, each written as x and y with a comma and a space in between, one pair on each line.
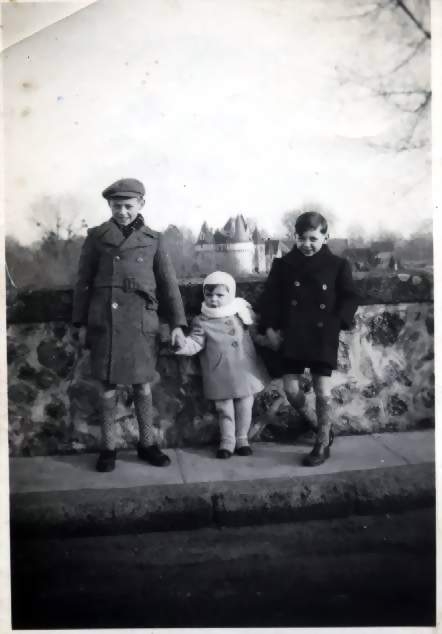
384, 381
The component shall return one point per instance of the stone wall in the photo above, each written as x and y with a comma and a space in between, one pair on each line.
384, 382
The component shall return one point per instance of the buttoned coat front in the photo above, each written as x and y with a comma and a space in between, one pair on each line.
310, 299
123, 283
230, 366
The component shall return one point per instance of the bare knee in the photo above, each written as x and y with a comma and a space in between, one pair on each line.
105, 391
322, 387
291, 385
143, 389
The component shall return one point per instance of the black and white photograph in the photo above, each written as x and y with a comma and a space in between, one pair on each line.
219, 348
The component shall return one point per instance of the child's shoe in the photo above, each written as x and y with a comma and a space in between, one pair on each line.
153, 455
245, 450
106, 460
223, 454
317, 456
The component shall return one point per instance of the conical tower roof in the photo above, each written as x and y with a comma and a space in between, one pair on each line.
205, 235
242, 233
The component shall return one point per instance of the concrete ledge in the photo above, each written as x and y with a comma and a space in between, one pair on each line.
326, 496
186, 506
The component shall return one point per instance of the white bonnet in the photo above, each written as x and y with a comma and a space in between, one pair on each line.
220, 277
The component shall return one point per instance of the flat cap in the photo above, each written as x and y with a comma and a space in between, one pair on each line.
124, 188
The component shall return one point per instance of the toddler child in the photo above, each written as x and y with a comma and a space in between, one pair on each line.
231, 370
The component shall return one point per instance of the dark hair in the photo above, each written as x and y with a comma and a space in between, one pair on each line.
211, 287
310, 220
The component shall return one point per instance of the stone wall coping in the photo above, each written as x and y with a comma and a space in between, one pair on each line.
55, 304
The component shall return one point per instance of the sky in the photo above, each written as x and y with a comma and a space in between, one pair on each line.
218, 107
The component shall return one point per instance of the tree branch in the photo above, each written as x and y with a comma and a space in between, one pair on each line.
406, 10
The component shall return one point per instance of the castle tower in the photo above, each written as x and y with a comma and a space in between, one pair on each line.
259, 262
234, 247
205, 257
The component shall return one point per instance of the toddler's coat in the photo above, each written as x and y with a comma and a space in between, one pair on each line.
310, 299
230, 366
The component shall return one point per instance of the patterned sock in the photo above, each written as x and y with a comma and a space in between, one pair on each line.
324, 423
144, 413
299, 403
107, 415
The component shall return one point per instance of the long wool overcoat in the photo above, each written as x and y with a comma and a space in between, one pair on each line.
230, 366
310, 299
122, 285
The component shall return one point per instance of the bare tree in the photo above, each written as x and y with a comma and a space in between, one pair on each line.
396, 48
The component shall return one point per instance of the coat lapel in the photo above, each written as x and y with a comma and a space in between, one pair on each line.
110, 234
137, 239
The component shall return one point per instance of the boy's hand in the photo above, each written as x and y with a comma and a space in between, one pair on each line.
177, 338
274, 338
81, 334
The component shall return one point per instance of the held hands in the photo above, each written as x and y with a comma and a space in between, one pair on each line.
274, 338
81, 332
177, 339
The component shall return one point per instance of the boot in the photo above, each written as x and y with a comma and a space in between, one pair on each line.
325, 435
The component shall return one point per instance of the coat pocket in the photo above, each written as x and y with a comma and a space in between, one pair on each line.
150, 322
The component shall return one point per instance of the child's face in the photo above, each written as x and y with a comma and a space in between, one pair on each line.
311, 241
125, 210
216, 297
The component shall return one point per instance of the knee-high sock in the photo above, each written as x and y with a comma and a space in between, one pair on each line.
324, 424
107, 420
144, 413
243, 419
299, 403
226, 421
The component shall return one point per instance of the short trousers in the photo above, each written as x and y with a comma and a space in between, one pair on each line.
290, 366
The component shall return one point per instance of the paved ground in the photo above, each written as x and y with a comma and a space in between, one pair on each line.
67, 473
354, 571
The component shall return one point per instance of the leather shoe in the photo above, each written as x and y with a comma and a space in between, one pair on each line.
153, 455
106, 460
223, 454
245, 450
317, 456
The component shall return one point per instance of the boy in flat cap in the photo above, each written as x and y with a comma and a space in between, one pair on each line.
125, 278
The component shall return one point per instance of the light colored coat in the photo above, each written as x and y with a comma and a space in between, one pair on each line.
229, 364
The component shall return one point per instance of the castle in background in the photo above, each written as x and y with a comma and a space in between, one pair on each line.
235, 249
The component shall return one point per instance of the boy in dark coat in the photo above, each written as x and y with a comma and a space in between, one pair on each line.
308, 298
125, 276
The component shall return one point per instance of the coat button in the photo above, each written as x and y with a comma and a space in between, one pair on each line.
114, 305
324, 287
320, 324
294, 302
234, 344
231, 332
117, 257
140, 259
322, 306
297, 283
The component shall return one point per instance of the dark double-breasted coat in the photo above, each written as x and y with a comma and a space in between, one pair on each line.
122, 285
310, 299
